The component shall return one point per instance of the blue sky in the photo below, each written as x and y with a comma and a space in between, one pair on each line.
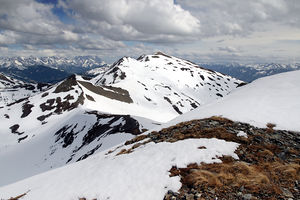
201, 31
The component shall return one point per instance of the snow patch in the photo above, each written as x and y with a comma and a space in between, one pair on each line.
242, 134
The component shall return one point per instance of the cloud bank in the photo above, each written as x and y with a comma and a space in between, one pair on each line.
120, 27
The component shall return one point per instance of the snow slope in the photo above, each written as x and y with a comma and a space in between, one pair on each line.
274, 99
68, 138
131, 176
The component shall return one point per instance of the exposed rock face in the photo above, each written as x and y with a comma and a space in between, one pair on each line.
268, 165
26, 108
109, 92
66, 85
105, 125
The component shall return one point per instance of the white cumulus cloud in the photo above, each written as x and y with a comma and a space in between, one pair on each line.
134, 19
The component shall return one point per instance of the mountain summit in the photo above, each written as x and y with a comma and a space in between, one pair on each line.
161, 87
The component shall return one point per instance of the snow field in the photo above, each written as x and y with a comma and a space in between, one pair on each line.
142, 174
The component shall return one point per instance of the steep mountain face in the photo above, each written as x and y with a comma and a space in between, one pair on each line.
250, 72
48, 69
12, 89
193, 156
163, 87
79, 117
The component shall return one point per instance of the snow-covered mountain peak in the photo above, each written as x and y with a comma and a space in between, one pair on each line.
158, 64
159, 81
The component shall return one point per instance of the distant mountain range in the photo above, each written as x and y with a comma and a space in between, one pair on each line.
47, 69
54, 69
250, 72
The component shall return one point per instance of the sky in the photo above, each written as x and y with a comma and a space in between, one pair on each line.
243, 31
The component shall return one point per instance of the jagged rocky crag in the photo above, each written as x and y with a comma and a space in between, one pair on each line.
268, 166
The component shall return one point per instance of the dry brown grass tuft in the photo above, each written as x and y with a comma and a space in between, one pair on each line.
270, 127
18, 197
136, 139
263, 178
124, 151
220, 119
